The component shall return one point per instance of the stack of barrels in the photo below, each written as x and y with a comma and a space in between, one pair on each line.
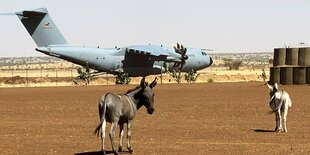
291, 66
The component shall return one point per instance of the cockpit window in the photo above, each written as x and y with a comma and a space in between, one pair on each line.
204, 53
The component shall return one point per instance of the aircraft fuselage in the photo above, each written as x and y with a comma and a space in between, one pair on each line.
111, 60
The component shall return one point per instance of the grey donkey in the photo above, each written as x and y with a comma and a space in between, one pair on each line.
121, 108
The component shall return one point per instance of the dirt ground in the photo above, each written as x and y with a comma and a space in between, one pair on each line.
65, 77
204, 118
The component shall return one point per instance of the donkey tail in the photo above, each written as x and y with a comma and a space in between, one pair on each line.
97, 130
280, 102
102, 112
278, 107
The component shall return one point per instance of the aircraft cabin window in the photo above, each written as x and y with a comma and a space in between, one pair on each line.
204, 53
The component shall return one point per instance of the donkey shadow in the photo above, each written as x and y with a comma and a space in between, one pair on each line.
100, 153
92, 153
262, 130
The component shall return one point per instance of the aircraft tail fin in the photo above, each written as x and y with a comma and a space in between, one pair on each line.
41, 27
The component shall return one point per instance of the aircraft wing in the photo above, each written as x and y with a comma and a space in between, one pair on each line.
157, 53
154, 52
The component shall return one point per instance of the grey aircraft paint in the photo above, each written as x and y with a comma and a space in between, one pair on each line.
137, 60
41, 27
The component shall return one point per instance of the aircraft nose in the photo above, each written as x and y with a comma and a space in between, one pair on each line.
209, 62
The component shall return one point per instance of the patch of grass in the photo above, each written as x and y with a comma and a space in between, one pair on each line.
210, 80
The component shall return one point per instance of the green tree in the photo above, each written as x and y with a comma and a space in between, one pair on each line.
232, 64
177, 76
122, 78
83, 74
191, 76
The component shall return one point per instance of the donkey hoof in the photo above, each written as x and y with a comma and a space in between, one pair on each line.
115, 153
285, 130
103, 152
278, 130
130, 150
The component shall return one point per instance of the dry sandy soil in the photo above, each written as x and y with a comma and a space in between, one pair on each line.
205, 118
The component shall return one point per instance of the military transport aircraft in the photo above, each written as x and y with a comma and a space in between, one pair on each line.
137, 60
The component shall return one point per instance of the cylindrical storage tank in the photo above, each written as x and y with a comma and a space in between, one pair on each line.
301, 56
286, 75
307, 56
308, 75
299, 76
279, 56
291, 57
274, 75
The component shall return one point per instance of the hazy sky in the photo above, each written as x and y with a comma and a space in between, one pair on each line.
221, 25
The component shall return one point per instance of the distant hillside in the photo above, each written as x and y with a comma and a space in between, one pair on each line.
248, 59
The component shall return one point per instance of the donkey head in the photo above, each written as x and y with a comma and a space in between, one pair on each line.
146, 95
273, 89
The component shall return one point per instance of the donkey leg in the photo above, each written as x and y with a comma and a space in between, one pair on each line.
121, 134
129, 137
103, 126
277, 121
112, 133
280, 121
284, 119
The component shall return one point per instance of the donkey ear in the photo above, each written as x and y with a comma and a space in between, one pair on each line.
276, 86
142, 82
270, 87
153, 84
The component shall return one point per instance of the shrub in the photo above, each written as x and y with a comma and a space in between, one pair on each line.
210, 80
84, 75
191, 76
122, 78
232, 64
177, 76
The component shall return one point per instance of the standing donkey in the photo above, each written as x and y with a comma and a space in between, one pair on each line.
279, 102
121, 108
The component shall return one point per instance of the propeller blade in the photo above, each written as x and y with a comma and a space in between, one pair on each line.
182, 66
180, 49
175, 49
180, 52
174, 65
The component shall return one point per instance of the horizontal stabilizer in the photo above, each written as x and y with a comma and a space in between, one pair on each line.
7, 14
